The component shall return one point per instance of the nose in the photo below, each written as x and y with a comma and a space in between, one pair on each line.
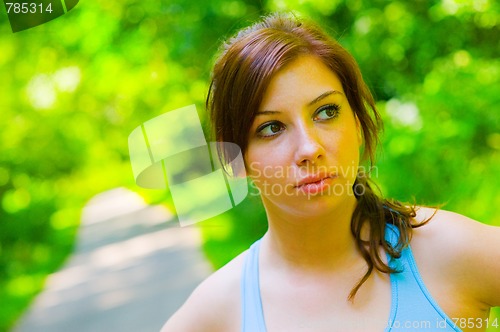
309, 149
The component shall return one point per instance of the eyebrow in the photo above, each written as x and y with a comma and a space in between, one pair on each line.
323, 96
314, 101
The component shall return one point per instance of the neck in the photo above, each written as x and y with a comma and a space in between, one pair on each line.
318, 243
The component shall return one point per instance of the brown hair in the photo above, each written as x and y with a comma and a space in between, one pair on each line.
240, 78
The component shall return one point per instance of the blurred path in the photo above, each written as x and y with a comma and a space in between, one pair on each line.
132, 268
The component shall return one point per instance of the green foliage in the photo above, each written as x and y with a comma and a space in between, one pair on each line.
73, 89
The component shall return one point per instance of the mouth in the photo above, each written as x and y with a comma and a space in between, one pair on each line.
315, 184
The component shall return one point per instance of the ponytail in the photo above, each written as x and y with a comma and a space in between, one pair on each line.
373, 213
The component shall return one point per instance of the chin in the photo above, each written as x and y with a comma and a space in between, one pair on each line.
309, 206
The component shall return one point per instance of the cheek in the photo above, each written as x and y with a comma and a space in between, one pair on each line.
344, 148
266, 166
254, 164
350, 154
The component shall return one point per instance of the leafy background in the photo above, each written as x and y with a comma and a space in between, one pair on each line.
73, 89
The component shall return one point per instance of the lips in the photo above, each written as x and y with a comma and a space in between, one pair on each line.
313, 179
315, 184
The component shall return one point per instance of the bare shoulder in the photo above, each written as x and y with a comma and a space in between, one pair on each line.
451, 228
463, 250
214, 305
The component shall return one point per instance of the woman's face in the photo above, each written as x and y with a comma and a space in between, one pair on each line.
303, 149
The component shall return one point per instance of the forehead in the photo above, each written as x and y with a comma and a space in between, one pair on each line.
300, 81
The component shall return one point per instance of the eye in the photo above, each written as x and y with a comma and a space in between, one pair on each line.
270, 129
327, 112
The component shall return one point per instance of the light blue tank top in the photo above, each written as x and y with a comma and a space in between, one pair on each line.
412, 306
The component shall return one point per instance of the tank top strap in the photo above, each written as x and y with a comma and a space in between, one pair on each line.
252, 313
413, 307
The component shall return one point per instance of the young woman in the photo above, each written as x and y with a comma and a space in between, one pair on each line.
336, 257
